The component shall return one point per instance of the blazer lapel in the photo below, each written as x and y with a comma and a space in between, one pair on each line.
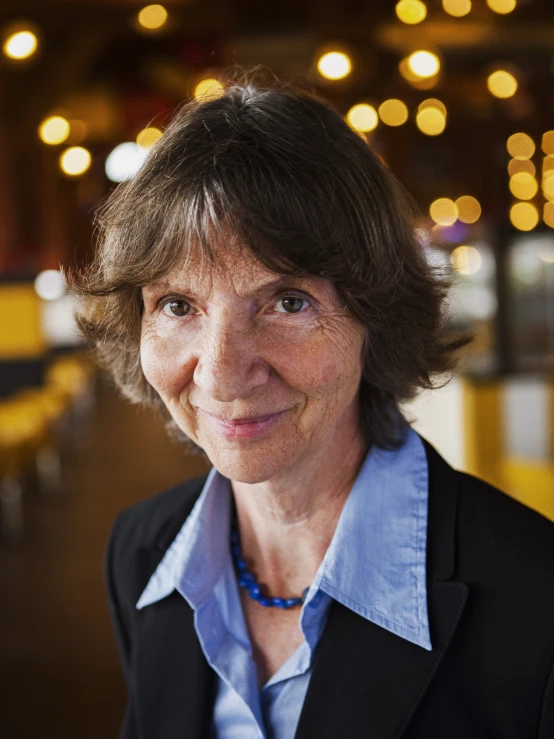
366, 681
174, 686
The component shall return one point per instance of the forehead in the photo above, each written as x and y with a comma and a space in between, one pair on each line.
234, 269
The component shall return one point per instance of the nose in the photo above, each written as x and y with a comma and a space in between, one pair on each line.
229, 365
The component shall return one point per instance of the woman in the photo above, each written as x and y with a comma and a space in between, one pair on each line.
260, 283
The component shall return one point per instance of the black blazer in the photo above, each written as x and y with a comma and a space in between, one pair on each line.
490, 564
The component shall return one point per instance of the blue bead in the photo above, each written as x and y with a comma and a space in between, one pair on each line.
304, 595
235, 550
241, 564
246, 579
279, 602
234, 536
291, 602
255, 591
265, 602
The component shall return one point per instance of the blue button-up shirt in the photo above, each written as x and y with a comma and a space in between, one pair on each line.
375, 566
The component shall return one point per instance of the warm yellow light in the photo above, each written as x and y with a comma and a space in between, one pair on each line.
469, 209
75, 160
20, 45
54, 130
457, 8
431, 121
424, 64
152, 17
208, 89
502, 84
433, 103
501, 6
548, 142
148, 137
520, 146
548, 186
523, 186
521, 165
548, 218
334, 65
362, 117
411, 11
548, 163
393, 112
444, 212
466, 260
524, 216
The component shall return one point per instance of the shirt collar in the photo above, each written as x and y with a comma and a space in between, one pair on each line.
375, 564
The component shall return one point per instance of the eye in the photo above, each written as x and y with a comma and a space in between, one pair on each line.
292, 304
176, 308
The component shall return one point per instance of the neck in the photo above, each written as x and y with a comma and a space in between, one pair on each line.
286, 524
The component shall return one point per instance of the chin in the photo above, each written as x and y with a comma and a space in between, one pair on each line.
247, 465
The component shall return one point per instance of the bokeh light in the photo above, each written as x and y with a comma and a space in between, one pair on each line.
411, 11
424, 64
148, 137
457, 8
431, 121
433, 103
124, 161
469, 209
502, 84
444, 212
466, 260
50, 284
502, 6
362, 117
152, 17
548, 217
334, 65
548, 142
524, 216
523, 186
521, 165
75, 160
20, 45
548, 186
54, 130
393, 112
520, 146
208, 89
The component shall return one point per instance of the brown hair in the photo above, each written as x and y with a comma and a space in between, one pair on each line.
305, 193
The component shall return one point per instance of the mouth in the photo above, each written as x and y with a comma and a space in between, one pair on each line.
245, 427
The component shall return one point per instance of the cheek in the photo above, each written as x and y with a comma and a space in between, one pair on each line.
162, 364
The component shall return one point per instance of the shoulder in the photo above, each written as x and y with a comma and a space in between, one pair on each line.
156, 520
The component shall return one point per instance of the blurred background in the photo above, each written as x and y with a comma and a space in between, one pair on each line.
456, 96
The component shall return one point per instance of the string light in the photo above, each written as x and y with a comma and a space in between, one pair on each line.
362, 117
521, 165
75, 160
502, 84
524, 216
523, 186
393, 112
54, 130
334, 65
148, 137
466, 260
208, 89
444, 212
502, 6
411, 11
152, 17
431, 121
469, 209
548, 215
20, 45
457, 8
548, 142
424, 64
520, 146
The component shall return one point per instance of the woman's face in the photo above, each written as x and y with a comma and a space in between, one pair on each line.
235, 342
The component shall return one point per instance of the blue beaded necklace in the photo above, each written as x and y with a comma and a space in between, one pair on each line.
248, 581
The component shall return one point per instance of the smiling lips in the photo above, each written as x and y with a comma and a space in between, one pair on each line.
243, 428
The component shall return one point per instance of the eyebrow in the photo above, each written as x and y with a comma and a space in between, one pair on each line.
283, 281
